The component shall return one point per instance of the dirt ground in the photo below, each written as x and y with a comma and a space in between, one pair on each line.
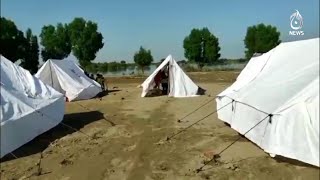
123, 136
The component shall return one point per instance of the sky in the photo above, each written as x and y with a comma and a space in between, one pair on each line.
162, 25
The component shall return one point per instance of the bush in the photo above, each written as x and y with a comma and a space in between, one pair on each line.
191, 68
103, 67
113, 66
92, 68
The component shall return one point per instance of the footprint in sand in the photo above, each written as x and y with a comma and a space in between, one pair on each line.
157, 176
66, 162
65, 178
130, 148
116, 162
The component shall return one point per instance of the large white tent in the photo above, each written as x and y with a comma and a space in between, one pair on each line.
28, 107
278, 92
180, 85
69, 79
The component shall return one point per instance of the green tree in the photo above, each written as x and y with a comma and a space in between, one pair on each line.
85, 39
182, 62
30, 61
202, 47
103, 67
12, 40
55, 41
113, 66
92, 67
131, 66
143, 58
260, 39
123, 64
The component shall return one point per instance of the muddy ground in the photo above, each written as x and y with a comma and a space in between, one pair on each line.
123, 136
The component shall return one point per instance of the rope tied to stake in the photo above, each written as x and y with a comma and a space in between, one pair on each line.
168, 138
217, 156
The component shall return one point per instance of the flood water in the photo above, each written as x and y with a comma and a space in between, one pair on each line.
131, 71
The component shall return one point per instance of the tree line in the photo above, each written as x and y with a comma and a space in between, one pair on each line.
79, 37
82, 38
114, 66
15, 45
108, 66
202, 47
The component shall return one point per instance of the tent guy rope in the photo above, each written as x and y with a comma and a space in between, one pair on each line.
64, 124
39, 171
216, 156
14, 155
168, 138
180, 119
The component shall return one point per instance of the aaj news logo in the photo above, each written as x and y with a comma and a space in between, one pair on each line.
296, 23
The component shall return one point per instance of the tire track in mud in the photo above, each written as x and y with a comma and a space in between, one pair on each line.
145, 149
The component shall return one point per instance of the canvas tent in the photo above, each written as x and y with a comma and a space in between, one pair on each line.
180, 85
28, 107
69, 79
282, 87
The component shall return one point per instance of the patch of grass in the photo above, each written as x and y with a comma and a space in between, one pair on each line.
228, 67
191, 68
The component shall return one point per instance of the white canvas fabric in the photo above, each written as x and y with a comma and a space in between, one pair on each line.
28, 107
285, 83
69, 79
180, 85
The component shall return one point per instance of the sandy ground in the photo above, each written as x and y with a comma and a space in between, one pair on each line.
123, 136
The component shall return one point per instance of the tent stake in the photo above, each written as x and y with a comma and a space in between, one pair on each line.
180, 120
216, 156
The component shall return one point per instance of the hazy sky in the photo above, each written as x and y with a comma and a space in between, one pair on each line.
162, 25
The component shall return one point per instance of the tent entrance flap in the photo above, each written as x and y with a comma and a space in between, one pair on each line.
179, 84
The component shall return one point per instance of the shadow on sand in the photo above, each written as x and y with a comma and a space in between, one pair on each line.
155, 93
281, 159
115, 90
158, 92
278, 158
106, 93
41, 142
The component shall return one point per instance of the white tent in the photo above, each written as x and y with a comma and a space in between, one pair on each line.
180, 85
282, 83
69, 79
28, 107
